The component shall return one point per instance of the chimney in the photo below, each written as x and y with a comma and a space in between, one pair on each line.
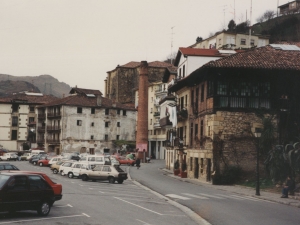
99, 100
142, 118
105, 87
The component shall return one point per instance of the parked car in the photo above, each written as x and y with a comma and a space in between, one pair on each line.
104, 172
54, 160
114, 161
9, 156
55, 166
34, 160
26, 156
77, 167
44, 161
57, 188
71, 156
19, 191
64, 165
123, 160
105, 160
7, 166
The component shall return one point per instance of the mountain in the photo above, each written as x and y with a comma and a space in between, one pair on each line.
46, 84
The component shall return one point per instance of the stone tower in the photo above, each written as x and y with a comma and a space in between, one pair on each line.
142, 118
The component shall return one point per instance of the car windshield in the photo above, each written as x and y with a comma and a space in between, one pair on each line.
118, 169
3, 179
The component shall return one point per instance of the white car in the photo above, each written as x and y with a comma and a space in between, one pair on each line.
9, 156
77, 167
101, 159
114, 162
54, 160
63, 167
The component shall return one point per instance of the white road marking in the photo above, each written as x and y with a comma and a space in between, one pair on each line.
102, 192
85, 214
228, 196
143, 222
48, 218
61, 206
211, 196
139, 206
195, 196
177, 196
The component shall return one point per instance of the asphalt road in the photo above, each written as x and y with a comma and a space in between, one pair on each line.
218, 207
100, 203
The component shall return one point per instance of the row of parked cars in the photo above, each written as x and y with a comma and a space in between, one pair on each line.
27, 190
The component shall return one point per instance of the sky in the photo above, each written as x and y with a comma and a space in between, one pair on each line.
78, 41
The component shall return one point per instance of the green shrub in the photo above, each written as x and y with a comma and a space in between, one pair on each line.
230, 175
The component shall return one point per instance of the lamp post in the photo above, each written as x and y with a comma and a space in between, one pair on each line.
257, 134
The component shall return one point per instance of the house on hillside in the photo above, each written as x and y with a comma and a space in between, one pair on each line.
232, 40
122, 82
289, 8
225, 97
18, 119
84, 122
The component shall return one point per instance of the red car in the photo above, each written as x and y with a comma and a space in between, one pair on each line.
44, 161
124, 160
57, 188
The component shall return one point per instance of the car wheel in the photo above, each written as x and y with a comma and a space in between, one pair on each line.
70, 175
62, 173
44, 209
120, 181
55, 171
111, 180
34, 163
84, 178
41, 164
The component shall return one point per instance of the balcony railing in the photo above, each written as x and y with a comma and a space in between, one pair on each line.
165, 122
156, 114
40, 140
53, 140
156, 125
41, 116
41, 129
53, 114
53, 128
182, 114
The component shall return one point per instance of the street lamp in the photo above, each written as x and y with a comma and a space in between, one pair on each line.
257, 134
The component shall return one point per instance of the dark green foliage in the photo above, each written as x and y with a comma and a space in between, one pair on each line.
230, 175
231, 25
242, 27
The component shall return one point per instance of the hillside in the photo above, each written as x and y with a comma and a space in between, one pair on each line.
46, 84
283, 28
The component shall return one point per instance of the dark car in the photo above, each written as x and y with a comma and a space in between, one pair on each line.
7, 166
19, 191
34, 160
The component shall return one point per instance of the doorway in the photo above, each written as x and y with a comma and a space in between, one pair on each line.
208, 170
196, 172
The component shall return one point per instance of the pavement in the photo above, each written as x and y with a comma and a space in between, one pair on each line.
242, 190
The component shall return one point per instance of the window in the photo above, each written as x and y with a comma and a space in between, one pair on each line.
210, 88
151, 99
92, 137
150, 121
106, 111
37, 183
31, 119
180, 72
220, 41
14, 135
106, 124
118, 111
118, 137
18, 183
79, 122
92, 124
201, 129
183, 71
202, 92
106, 169
118, 124
154, 132
92, 110
31, 109
151, 110
106, 137
252, 42
124, 112
15, 107
243, 41
79, 110
14, 121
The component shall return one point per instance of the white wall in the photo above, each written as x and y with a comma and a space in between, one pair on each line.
5, 108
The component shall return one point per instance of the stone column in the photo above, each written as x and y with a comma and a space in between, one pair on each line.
142, 118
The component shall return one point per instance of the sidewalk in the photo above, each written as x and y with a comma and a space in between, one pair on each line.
241, 190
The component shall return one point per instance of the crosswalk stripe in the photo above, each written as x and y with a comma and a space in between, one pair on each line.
228, 196
177, 196
195, 196
211, 196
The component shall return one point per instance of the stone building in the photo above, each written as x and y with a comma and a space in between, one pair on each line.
225, 97
122, 82
84, 122
18, 119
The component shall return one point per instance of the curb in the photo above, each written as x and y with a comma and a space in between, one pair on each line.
194, 216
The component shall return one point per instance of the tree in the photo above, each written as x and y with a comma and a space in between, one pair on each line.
199, 39
269, 14
242, 27
171, 57
231, 25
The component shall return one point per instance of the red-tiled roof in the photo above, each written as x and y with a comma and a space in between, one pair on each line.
29, 99
265, 57
85, 91
84, 101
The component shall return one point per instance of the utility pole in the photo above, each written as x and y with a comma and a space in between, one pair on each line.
250, 25
171, 44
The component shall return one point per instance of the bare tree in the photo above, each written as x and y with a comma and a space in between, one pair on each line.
171, 57
269, 14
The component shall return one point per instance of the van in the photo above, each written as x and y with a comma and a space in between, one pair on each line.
36, 152
99, 159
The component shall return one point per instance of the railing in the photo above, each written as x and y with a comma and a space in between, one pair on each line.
53, 128
53, 114
41, 129
52, 140
156, 114
241, 102
165, 122
41, 116
182, 114
40, 140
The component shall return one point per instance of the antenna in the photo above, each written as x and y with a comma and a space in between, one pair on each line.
171, 43
250, 25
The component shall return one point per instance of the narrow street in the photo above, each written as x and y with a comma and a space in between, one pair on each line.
217, 206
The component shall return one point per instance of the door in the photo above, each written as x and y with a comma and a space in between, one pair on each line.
105, 173
208, 170
196, 172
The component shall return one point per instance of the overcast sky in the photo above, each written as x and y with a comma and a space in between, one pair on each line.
78, 41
